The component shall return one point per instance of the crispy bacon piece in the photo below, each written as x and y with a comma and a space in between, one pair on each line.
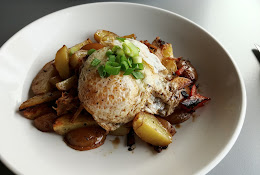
194, 101
152, 48
186, 69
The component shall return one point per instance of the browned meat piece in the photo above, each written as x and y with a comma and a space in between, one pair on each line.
67, 103
186, 69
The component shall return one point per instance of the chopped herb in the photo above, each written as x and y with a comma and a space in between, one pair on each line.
138, 75
91, 51
95, 62
121, 39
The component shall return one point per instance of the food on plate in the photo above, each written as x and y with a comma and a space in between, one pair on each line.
115, 86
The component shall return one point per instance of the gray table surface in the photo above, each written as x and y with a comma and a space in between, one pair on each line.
235, 23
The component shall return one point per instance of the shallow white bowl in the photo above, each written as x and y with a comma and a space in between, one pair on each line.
198, 145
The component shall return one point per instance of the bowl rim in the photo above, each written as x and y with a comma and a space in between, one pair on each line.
224, 151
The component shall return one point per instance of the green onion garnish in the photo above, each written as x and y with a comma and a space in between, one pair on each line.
129, 71
123, 58
112, 58
114, 49
121, 39
91, 51
95, 62
113, 68
130, 61
130, 49
102, 72
138, 75
124, 66
137, 59
109, 52
138, 66
118, 59
120, 52
73, 50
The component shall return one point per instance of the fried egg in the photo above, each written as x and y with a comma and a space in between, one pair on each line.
115, 100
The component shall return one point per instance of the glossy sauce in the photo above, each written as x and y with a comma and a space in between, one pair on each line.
85, 138
115, 142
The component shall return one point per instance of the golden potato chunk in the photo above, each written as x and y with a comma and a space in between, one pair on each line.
77, 47
54, 80
170, 64
67, 84
40, 83
62, 62
95, 46
132, 36
36, 111
150, 130
167, 125
167, 50
105, 37
44, 123
163, 49
39, 99
63, 124
77, 58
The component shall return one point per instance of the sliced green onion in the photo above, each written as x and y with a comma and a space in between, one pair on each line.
138, 66
124, 66
121, 39
112, 58
129, 71
130, 49
120, 52
72, 50
102, 72
118, 59
114, 49
137, 59
91, 51
130, 61
123, 58
138, 75
109, 52
95, 62
113, 68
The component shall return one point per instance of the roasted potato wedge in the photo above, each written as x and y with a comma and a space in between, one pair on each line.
105, 37
44, 123
62, 62
42, 98
63, 124
132, 36
164, 49
54, 80
167, 50
170, 64
95, 46
77, 58
77, 47
167, 125
150, 130
121, 131
36, 111
179, 116
40, 83
67, 84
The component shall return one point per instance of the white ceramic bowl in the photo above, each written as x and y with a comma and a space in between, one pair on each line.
198, 145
